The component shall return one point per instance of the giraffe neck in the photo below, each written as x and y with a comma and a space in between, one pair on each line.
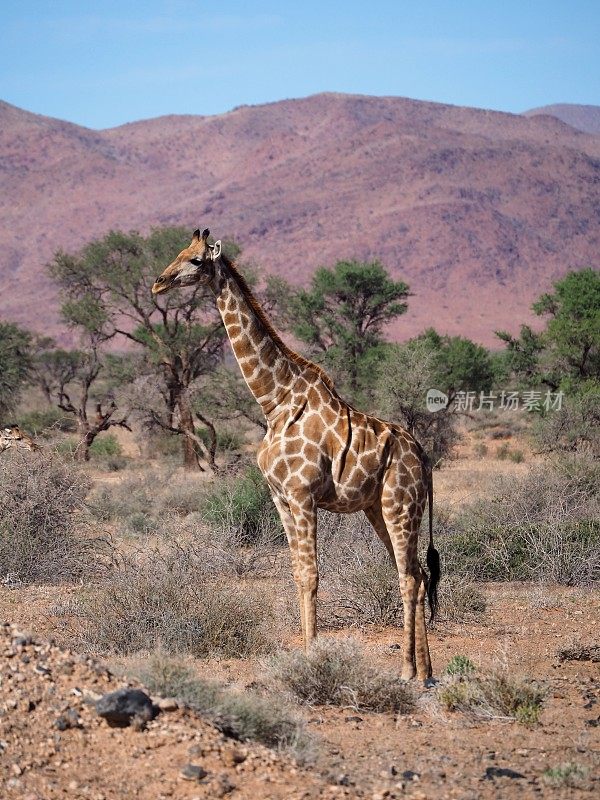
269, 371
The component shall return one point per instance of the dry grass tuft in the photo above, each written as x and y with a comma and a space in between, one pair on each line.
495, 694
335, 672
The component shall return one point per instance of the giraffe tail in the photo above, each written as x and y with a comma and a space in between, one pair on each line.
433, 557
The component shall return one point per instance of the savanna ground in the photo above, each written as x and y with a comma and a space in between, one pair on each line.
183, 582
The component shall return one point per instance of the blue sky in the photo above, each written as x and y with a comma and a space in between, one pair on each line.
101, 64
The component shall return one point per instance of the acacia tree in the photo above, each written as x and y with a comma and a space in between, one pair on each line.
341, 317
67, 378
430, 361
566, 354
106, 287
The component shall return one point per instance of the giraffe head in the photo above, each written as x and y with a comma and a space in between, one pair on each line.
13, 436
193, 265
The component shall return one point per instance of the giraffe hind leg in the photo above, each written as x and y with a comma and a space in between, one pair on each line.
402, 520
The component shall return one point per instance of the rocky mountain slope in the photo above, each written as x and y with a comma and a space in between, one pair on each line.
478, 211
584, 118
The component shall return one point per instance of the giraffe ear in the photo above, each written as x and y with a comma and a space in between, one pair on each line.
216, 250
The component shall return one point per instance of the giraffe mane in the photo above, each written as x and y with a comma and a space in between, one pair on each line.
258, 310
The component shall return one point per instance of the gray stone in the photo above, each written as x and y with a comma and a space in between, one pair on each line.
192, 772
125, 707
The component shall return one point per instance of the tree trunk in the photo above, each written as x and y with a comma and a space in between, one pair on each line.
82, 451
186, 423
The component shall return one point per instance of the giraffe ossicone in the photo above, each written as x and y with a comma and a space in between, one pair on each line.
320, 452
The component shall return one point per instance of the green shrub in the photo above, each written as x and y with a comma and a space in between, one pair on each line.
249, 717
169, 676
491, 694
181, 497
45, 423
460, 665
121, 500
480, 450
335, 672
243, 504
67, 447
516, 456
569, 775
460, 599
140, 524
227, 440
105, 445
503, 452
575, 428
245, 716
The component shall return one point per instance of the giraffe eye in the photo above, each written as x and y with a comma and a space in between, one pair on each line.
197, 262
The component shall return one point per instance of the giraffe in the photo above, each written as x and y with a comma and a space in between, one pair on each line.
13, 436
320, 452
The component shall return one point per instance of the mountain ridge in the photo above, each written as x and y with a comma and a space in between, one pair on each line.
479, 211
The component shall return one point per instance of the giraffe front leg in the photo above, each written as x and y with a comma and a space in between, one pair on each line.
304, 514
289, 527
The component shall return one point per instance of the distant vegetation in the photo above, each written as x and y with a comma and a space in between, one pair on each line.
175, 379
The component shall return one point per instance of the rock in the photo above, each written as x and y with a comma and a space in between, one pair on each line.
167, 704
125, 707
353, 719
222, 786
409, 775
70, 719
234, 757
193, 772
501, 772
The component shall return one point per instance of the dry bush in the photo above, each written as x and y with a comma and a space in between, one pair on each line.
460, 600
335, 672
359, 582
132, 495
492, 695
170, 599
178, 495
575, 428
543, 526
45, 531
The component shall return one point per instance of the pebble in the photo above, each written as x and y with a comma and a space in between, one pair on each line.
167, 704
193, 772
